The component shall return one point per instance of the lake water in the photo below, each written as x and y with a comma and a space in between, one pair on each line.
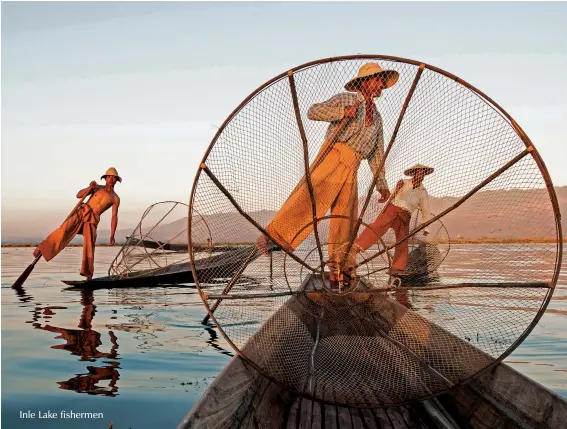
142, 358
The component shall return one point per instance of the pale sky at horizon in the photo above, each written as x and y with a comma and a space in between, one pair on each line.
142, 86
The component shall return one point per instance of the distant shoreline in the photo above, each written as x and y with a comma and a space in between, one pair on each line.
455, 241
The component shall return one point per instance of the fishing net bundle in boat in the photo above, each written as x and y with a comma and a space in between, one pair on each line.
373, 341
159, 242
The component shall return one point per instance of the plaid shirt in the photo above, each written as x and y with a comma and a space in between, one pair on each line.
367, 141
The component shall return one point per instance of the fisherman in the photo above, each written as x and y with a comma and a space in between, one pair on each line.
408, 195
334, 171
84, 221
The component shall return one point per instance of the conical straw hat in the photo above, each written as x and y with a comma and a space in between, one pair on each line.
112, 172
413, 169
372, 69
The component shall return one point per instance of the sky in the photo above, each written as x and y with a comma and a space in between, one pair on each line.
144, 86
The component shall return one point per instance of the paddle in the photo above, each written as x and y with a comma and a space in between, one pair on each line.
23, 277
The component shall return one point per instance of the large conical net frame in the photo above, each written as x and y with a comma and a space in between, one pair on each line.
374, 342
159, 240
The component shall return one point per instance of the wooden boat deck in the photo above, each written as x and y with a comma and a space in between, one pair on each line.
240, 397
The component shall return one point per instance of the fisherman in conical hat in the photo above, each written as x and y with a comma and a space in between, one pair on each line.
84, 221
334, 171
409, 195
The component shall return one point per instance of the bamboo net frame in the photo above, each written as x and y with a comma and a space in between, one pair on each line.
486, 167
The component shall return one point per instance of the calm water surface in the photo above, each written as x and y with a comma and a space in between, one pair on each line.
142, 358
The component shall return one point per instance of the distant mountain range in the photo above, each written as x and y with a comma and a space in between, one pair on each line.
497, 214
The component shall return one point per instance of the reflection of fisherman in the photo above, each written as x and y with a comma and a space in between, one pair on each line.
84, 343
334, 172
85, 221
409, 195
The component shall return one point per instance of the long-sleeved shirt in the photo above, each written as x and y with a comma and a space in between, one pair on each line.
367, 141
410, 199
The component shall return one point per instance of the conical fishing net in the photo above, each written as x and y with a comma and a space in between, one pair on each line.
159, 241
327, 317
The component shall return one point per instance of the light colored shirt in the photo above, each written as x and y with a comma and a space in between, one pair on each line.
410, 199
367, 141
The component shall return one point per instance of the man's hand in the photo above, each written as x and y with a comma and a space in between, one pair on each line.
93, 185
112, 241
350, 111
385, 194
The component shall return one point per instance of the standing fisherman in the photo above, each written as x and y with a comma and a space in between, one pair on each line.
334, 172
84, 220
409, 195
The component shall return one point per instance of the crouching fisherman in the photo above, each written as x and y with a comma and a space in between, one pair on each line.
409, 195
84, 221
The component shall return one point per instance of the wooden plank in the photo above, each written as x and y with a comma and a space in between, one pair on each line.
293, 416
356, 418
521, 398
396, 418
224, 403
411, 418
272, 406
249, 421
330, 417
382, 418
305, 414
317, 422
485, 417
345, 421
369, 419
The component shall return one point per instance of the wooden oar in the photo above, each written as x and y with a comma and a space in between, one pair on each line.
23, 277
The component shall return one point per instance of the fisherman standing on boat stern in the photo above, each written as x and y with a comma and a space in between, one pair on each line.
335, 169
408, 195
84, 221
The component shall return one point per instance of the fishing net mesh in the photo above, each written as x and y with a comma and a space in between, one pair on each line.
158, 244
373, 340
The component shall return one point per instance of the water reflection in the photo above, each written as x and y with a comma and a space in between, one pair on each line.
83, 342
150, 328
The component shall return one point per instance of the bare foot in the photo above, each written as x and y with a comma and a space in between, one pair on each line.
262, 244
36, 252
89, 278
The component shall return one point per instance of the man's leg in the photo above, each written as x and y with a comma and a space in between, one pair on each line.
346, 205
376, 229
401, 229
296, 213
89, 239
59, 238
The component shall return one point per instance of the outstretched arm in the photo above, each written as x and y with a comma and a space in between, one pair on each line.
114, 221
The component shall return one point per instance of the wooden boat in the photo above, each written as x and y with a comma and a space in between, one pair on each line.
178, 247
241, 397
208, 268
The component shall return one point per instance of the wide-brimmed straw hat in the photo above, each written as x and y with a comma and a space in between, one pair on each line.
112, 172
413, 169
390, 77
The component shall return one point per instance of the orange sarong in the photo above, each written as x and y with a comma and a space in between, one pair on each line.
84, 221
335, 186
393, 217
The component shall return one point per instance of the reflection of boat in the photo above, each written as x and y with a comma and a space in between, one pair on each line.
293, 338
208, 268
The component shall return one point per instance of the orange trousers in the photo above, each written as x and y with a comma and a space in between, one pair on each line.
335, 187
84, 221
393, 217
